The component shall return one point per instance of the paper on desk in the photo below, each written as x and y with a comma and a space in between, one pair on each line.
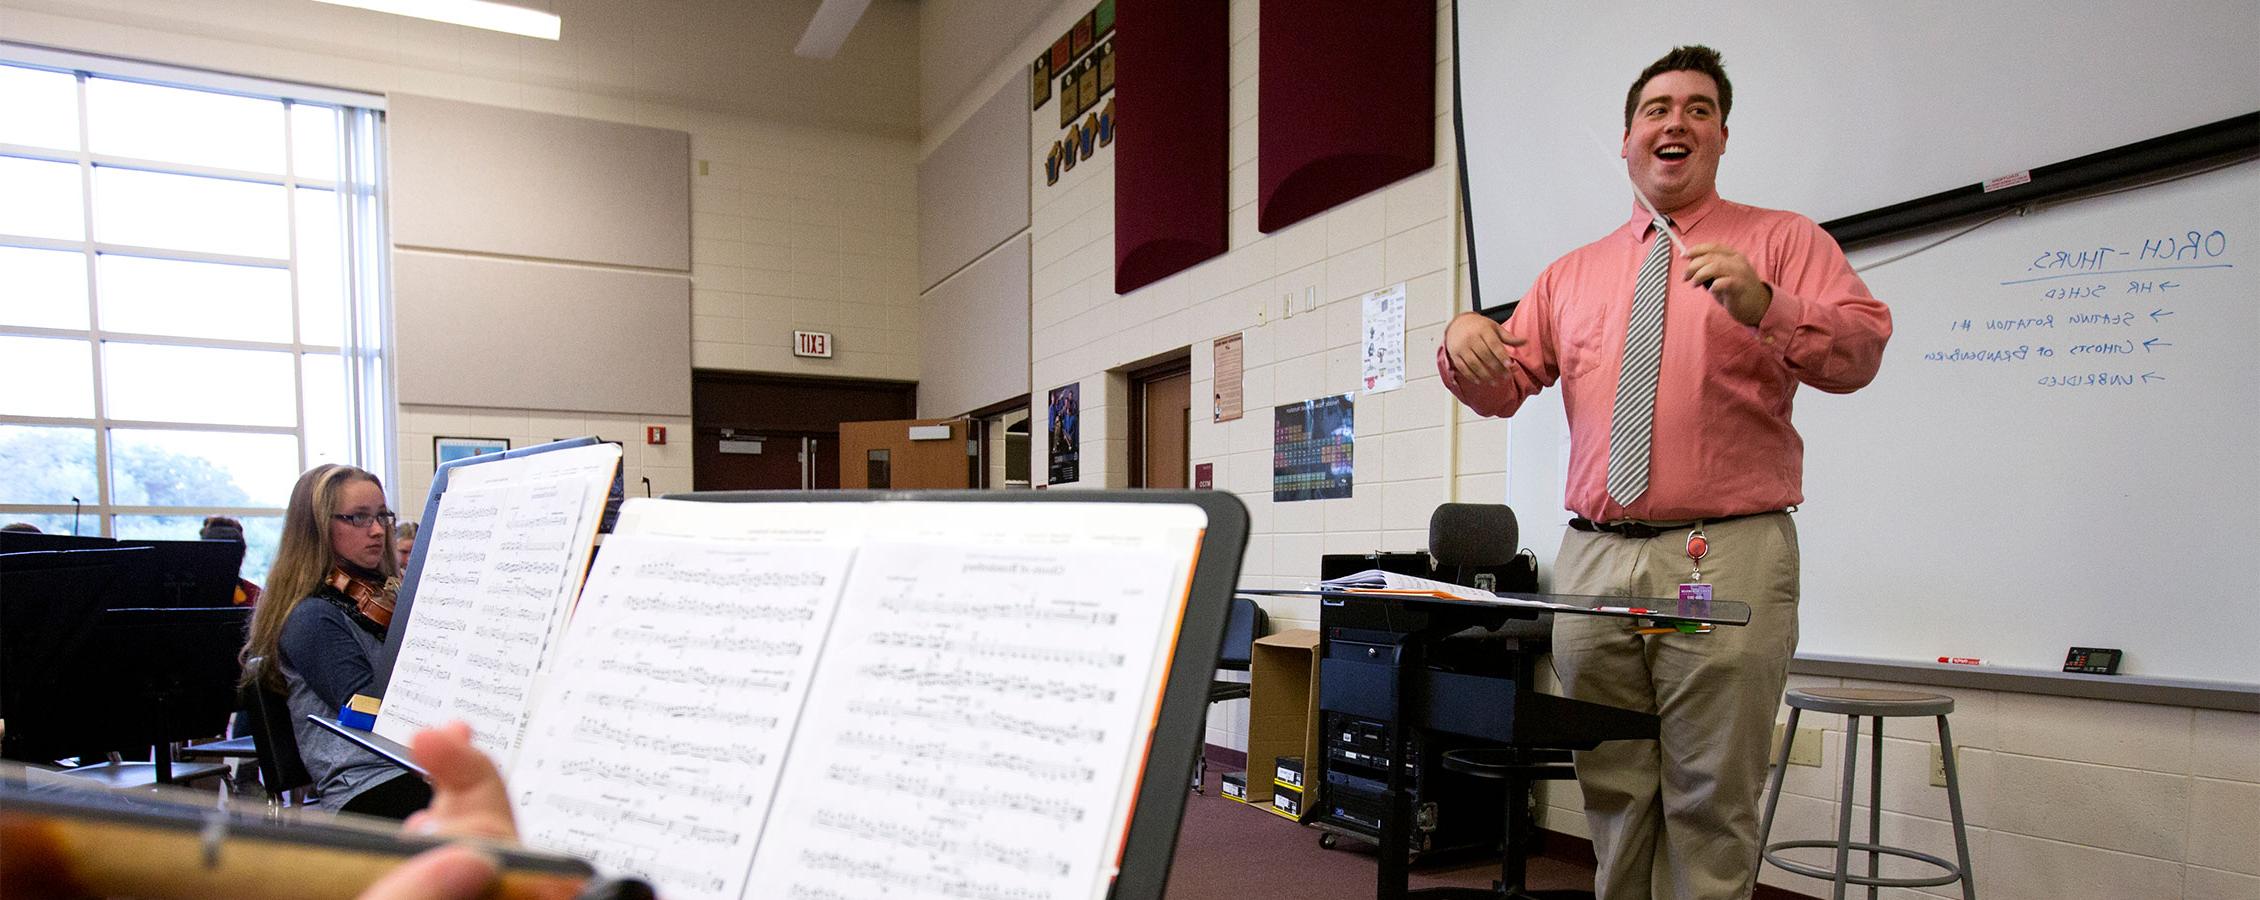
1376, 581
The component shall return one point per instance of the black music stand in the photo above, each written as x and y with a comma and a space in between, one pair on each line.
81, 679
47, 594
29, 541
172, 573
179, 574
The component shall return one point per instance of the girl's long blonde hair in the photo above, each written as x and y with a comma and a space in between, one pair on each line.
303, 561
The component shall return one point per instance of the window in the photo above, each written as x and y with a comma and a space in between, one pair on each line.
191, 297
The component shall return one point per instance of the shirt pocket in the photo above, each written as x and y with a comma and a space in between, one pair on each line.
1586, 339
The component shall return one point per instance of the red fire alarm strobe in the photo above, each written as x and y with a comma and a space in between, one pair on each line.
655, 435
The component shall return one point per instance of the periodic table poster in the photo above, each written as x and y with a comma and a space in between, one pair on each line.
1311, 449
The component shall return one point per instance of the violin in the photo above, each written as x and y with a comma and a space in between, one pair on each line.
373, 600
59, 840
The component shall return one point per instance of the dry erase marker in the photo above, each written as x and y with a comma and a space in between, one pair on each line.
1634, 610
1961, 660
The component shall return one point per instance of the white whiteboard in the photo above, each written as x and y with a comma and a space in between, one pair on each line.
1840, 106
1952, 509
1983, 500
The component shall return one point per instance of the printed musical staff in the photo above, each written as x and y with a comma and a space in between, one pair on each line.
1038, 805
665, 781
1037, 654
734, 645
966, 716
1037, 688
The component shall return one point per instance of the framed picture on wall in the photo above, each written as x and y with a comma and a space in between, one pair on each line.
1085, 31
1071, 95
448, 449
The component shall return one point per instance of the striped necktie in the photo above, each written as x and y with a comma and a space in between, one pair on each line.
1632, 425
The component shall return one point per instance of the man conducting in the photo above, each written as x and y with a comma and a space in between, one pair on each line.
1677, 365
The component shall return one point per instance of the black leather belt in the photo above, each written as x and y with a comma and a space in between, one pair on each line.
1646, 530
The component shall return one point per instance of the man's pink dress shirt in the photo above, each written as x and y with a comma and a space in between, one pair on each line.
1723, 444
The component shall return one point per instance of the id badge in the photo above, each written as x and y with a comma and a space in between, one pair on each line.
1695, 593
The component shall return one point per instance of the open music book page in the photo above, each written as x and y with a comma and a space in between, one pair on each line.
504, 561
939, 700
658, 741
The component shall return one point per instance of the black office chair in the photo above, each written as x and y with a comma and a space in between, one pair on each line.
1242, 626
281, 772
1467, 540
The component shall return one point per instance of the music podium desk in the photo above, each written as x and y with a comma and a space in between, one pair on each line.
1401, 688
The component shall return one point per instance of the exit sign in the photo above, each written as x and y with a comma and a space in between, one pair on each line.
812, 343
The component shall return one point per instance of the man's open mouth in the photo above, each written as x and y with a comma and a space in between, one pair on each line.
1671, 152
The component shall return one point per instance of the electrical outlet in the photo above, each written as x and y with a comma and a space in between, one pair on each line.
1805, 748
1310, 298
1287, 305
1938, 765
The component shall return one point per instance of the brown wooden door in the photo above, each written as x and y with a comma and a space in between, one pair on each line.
760, 461
791, 416
1161, 433
884, 455
824, 462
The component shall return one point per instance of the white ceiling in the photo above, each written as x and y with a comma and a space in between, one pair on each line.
962, 41
730, 56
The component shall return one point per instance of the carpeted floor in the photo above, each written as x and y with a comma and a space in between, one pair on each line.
1228, 850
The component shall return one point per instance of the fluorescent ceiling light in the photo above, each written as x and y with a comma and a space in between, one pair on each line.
829, 28
474, 13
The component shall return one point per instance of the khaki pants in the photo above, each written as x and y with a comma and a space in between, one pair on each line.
1678, 817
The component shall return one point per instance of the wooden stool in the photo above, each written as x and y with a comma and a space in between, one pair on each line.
1875, 703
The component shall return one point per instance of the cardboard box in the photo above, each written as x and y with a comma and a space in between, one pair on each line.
1287, 801
1282, 702
1289, 772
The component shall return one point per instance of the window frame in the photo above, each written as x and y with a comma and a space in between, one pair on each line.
364, 349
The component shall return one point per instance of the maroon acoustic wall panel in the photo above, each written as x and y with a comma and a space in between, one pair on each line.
1345, 101
1170, 175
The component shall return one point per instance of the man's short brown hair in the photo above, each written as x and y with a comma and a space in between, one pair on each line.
1691, 58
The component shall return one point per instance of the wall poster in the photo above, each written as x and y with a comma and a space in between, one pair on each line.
1385, 339
1311, 449
1230, 380
1066, 433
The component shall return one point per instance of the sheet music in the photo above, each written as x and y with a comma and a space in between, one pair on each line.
786, 523
663, 726
1378, 581
983, 703
594, 463
507, 550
